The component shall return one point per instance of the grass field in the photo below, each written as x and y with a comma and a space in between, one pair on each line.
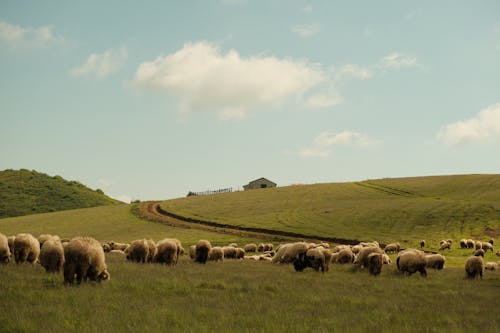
403, 209
245, 296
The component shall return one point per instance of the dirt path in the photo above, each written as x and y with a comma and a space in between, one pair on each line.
153, 212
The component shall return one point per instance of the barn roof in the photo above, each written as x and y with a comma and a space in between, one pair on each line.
262, 178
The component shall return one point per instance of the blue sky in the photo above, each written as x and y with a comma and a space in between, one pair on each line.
150, 100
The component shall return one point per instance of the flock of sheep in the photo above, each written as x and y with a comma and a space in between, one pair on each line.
84, 257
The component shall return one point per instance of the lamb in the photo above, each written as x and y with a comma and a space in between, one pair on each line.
435, 261
216, 254
491, 266
4, 249
486, 246
474, 267
153, 251
411, 261
470, 244
345, 256
26, 248
250, 247
463, 243
168, 252
84, 257
313, 258
479, 253
392, 248
52, 255
422, 244
375, 261
138, 251
444, 244
362, 258
202, 250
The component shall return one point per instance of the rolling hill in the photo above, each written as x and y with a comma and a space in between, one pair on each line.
399, 209
24, 192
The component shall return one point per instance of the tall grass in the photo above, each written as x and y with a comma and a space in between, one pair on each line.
245, 296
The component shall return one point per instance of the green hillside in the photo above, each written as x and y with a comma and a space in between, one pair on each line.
401, 209
24, 192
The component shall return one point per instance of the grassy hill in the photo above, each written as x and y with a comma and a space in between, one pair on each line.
24, 192
400, 209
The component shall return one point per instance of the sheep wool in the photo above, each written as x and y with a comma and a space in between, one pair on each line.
26, 248
52, 255
474, 267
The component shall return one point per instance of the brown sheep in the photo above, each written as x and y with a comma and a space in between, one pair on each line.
240, 253
411, 261
216, 254
392, 248
288, 253
474, 267
444, 244
106, 248
84, 257
375, 261
229, 252
52, 255
313, 258
479, 253
202, 250
435, 261
260, 247
26, 248
250, 247
268, 247
45, 237
345, 256
362, 258
167, 252
470, 243
463, 243
4, 249
138, 251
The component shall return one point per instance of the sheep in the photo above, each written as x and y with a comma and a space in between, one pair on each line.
45, 237
392, 248
216, 254
153, 251
192, 252
52, 255
491, 266
240, 253
370, 244
474, 267
339, 248
463, 243
202, 250
268, 247
411, 261
486, 246
328, 258
479, 253
250, 247
229, 252
470, 243
26, 248
233, 245
356, 248
435, 261
422, 243
375, 261
138, 251
313, 258
84, 257
362, 258
479, 245
4, 249
444, 244
491, 241
386, 259
168, 252
345, 256
498, 254
106, 248
290, 252
260, 247
118, 246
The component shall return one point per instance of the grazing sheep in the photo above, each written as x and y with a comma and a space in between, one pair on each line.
229, 252
52, 255
435, 261
167, 252
491, 266
138, 251
370, 244
491, 241
375, 261
26, 248
345, 256
479, 253
250, 247
84, 257
260, 247
328, 258
474, 267
392, 248
118, 246
287, 253
268, 247
45, 237
386, 259
106, 248
192, 251
339, 248
498, 254
362, 258
479, 245
313, 258
240, 253
356, 248
422, 244
153, 251
463, 243
233, 245
202, 250
444, 244
486, 246
411, 261
4, 249
470, 243
217, 254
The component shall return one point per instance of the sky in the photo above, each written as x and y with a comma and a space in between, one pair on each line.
148, 100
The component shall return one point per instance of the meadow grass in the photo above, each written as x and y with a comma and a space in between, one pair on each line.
247, 296
403, 209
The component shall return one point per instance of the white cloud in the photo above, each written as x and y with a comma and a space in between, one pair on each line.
485, 126
305, 30
101, 65
202, 78
399, 61
324, 100
324, 143
18, 36
354, 71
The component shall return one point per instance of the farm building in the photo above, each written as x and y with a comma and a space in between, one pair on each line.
259, 183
